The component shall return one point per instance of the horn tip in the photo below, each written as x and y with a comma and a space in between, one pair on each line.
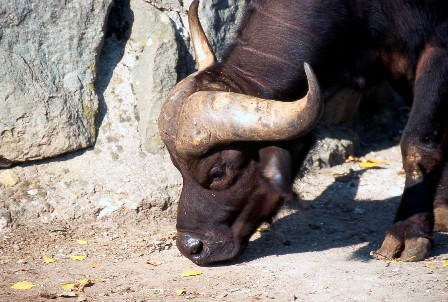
194, 4
308, 70
311, 76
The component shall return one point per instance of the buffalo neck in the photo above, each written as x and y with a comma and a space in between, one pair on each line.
263, 64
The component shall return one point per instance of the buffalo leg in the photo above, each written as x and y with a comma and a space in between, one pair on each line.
441, 203
423, 143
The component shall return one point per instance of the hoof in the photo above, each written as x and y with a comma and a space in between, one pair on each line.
405, 241
441, 219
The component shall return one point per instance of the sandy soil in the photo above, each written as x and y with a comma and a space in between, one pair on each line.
317, 250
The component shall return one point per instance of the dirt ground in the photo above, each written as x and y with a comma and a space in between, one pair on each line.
317, 250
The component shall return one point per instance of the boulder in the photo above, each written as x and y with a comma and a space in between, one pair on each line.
155, 71
165, 52
221, 20
48, 53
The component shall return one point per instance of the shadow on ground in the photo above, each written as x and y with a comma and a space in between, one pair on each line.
334, 219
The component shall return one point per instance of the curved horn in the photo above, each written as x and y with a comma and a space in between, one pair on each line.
202, 49
209, 117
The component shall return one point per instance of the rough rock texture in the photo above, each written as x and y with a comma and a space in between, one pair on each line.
166, 53
155, 71
220, 20
114, 183
334, 145
48, 55
336, 138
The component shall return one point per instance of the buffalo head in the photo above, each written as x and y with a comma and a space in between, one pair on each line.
232, 152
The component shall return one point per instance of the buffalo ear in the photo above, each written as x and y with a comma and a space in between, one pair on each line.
276, 166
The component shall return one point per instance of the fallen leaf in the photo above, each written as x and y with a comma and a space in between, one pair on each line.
78, 257
94, 265
445, 263
68, 286
78, 286
371, 163
181, 292
352, 159
191, 273
68, 295
81, 284
22, 285
430, 265
82, 242
48, 260
367, 165
375, 161
153, 263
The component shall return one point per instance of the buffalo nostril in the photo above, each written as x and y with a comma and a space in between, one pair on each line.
190, 245
194, 245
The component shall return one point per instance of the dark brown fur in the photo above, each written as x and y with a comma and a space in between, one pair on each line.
357, 44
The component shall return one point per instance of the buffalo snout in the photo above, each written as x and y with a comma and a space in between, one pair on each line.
189, 245
207, 250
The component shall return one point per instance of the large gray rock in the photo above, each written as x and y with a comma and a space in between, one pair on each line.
155, 71
220, 20
48, 53
336, 139
162, 43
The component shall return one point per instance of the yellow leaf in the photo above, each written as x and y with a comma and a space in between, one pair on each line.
48, 260
371, 163
376, 161
181, 292
352, 159
81, 242
23, 285
68, 286
191, 273
430, 265
368, 165
78, 286
81, 284
78, 257
445, 263
153, 263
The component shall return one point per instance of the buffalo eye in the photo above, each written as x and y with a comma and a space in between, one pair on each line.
217, 173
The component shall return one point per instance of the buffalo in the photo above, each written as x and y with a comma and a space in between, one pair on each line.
238, 130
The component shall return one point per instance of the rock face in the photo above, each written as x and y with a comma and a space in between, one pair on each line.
48, 55
155, 71
166, 52
220, 19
